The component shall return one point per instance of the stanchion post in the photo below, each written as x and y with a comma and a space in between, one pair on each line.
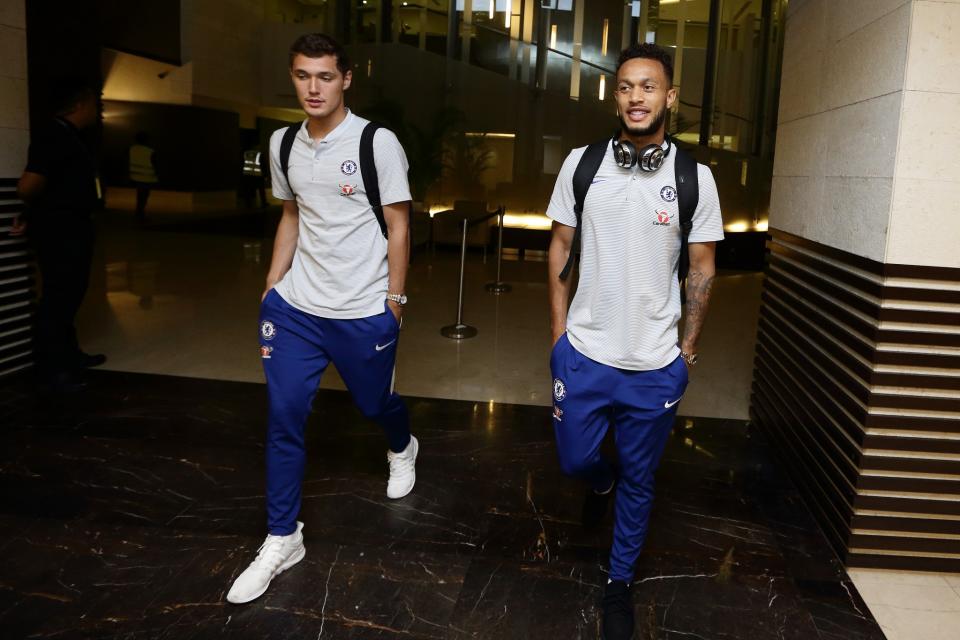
499, 286
460, 331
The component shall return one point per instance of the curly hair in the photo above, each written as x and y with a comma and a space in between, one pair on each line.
650, 52
317, 45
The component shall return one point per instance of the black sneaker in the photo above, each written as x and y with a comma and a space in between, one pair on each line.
596, 505
617, 611
87, 361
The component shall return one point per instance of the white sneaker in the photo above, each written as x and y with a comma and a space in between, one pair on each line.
403, 474
275, 555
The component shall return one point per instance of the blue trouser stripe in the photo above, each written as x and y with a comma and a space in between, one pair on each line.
589, 397
296, 348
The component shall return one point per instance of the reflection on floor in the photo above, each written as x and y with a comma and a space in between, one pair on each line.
181, 298
128, 510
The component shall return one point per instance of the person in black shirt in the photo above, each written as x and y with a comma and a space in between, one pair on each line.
61, 189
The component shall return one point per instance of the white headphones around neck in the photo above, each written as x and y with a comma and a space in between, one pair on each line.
649, 159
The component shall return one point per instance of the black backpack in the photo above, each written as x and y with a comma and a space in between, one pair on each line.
368, 168
688, 196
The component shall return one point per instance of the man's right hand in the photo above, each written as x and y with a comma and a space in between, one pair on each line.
557, 336
561, 242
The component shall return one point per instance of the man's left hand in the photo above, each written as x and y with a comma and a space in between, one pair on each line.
396, 309
689, 350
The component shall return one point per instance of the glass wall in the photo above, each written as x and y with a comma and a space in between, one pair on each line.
530, 83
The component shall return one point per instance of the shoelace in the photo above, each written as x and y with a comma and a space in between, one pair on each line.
270, 553
400, 463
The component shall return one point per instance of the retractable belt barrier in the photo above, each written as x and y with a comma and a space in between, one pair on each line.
459, 330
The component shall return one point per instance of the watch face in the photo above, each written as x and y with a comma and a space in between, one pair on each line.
403, 299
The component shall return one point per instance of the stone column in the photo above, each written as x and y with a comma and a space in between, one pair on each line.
857, 377
16, 277
14, 114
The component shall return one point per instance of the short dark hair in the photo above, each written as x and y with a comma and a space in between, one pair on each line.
317, 45
69, 92
649, 51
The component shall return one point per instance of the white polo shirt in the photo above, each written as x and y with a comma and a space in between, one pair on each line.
339, 268
627, 305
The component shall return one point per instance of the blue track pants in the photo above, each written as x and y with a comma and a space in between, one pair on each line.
296, 348
589, 397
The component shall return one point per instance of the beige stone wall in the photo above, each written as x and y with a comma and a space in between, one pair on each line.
867, 154
14, 115
840, 109
221, 39
136, 79
925, 212
221, 55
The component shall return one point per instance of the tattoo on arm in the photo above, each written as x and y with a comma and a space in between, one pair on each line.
698, 299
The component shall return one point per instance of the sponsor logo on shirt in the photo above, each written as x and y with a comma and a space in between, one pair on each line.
668, 193
348, 189
265, 352
348, 167
663, 219
267, 330
557, 413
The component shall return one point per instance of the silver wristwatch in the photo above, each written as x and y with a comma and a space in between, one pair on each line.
399, 298
689, 358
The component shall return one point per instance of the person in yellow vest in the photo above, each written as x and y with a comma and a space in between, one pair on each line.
142, 172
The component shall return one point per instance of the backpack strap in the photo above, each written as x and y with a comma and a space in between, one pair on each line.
583, 176
688, 197
286, 144
368, 171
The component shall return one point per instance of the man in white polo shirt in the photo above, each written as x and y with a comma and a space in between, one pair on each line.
616, 359
334, 291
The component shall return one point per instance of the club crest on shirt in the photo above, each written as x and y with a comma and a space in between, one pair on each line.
559, 390
267, 330
348, 167
265, 351
668, 193
347, 189
663, 219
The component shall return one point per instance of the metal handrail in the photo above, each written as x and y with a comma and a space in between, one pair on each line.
477, 221
534, 43
593, 65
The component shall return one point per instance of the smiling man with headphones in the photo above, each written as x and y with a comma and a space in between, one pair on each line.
644, 216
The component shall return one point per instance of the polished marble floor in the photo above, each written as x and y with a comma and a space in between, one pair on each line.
180, 297
128, 509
